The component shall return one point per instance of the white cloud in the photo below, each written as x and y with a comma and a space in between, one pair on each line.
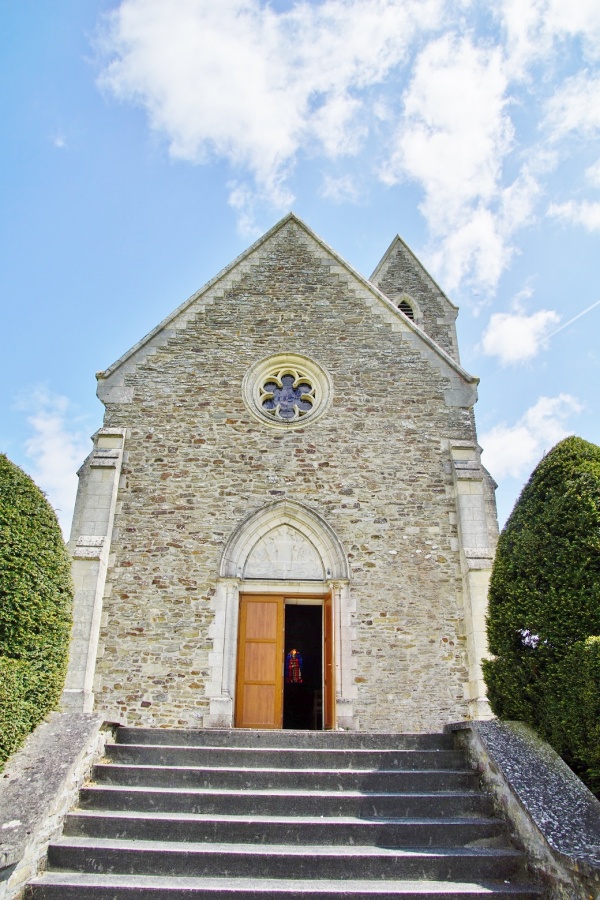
514, 450
584, 213
56, 450
516, 337
432, 85
575, 107
592, 173
580, 19
339, 189
535, 27
526, 36
453, 138
242, 82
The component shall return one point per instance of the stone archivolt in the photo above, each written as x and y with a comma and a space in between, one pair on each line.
308, 543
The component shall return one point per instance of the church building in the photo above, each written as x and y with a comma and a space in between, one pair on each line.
284, 521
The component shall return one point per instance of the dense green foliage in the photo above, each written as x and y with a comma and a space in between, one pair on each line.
571, 709
544, 600
35, 607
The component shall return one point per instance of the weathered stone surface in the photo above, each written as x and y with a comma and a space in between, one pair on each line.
39, 785
399, 274
554, 817
376, 467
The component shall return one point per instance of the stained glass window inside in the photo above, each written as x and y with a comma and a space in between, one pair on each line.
287, 395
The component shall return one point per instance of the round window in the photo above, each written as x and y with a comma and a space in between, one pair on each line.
287, 390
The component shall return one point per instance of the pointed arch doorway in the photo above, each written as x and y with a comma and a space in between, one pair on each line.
282, 569
285, 668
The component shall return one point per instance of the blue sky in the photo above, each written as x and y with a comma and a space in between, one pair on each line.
146, 144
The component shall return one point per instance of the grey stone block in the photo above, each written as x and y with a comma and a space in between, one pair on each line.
38, 787
553, 816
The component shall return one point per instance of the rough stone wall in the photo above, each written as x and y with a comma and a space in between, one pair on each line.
400, 273
551, 814
39, 786
197, 463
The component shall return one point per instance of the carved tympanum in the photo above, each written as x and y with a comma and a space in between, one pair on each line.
284, 553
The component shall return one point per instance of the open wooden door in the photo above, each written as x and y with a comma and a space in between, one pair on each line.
259, 693
328, 665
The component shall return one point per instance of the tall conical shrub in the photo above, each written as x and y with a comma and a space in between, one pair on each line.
35, 607
545, 588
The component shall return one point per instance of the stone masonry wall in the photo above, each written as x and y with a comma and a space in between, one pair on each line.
399, 273
196, 464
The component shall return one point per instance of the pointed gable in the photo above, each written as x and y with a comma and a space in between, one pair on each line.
402, 278
289, 238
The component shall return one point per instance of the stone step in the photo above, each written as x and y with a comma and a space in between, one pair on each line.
229, 778
74, 885
409, 832
172, 858
290, 803
182, 814
287, 758
57, 885
273, 739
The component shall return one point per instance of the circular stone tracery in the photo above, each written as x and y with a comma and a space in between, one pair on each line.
287, 395
287, 390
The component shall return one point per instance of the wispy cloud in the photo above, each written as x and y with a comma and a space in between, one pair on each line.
56, 447
424, 90
575, 107
238, 81
339, 189
585, 213
513, 450
516, 337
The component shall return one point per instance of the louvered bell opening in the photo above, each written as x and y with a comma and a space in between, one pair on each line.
407, 309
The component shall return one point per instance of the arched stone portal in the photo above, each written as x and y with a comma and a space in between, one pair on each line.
282, 548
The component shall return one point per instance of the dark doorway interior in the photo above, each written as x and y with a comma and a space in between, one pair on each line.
303, 700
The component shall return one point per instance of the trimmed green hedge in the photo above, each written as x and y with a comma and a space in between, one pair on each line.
571, 709
35, 607
544, 598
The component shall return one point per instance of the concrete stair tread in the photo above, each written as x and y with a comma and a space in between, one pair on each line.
286, 757
276, 738
279, 769
283, 820
272, 850
275, 792
285, 886
274, 750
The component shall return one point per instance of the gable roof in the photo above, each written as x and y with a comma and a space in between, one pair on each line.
427, 278
165, 329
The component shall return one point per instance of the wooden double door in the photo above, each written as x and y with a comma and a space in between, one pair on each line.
267, 625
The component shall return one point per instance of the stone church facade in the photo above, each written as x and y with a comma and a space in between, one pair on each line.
290, 458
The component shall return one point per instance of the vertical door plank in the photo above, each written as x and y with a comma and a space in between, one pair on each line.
259, 695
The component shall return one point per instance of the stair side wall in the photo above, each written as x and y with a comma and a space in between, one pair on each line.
552, 816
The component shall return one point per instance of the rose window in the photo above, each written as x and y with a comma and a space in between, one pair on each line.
287, 390
287, 395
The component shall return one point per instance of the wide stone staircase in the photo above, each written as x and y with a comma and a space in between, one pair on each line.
263, 815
